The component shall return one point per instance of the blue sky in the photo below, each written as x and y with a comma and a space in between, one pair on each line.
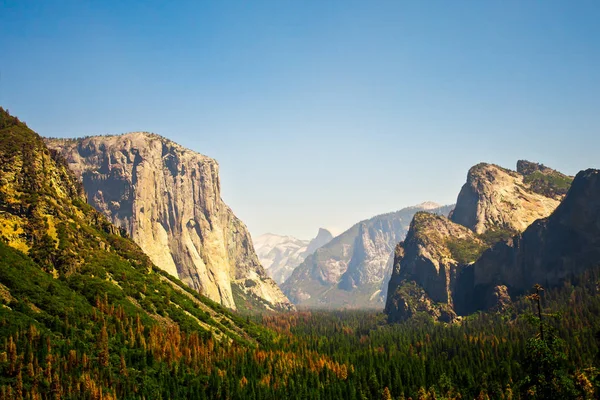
320, 113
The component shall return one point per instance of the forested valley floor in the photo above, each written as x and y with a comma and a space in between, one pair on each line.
98, 350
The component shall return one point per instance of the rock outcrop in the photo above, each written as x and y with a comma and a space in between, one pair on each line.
506, 233
494, 197
167, 198
353, 269
280, 255
426, 266
549, 251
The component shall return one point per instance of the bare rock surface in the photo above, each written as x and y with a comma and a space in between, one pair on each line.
168, 199
495, 197
516, 229
549, 251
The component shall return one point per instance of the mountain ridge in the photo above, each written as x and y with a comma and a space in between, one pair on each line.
336, 277
281, 254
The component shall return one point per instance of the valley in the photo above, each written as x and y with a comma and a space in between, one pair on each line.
303, 200
124, 275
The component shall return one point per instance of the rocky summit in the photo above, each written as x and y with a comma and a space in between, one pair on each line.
509, 230
167, 198
353, 269
495, 197
550, 251
426, 265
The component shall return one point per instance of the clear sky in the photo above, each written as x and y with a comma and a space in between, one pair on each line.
320, 113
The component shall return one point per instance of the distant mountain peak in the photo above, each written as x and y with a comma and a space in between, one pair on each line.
428, 205
323, 237
323, 231
280, 254
352, 269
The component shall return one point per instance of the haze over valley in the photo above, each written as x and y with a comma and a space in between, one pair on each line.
299, 200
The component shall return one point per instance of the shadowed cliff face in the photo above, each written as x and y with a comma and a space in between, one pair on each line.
425, 268
551, 250
168, 199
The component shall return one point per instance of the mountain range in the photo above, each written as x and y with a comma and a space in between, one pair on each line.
508, 230
85, 313
353, 269
280, 255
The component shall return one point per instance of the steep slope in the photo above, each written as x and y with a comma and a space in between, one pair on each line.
167, 198
44, 216
352, 269
426, 265
85, 315
549, 251
280, 255
543, 180
495, 197
492, 206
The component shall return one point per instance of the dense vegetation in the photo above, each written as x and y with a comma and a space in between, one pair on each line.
494, 235
486, 356
70, 280
63, 342
544, 180
465, 251
550, 185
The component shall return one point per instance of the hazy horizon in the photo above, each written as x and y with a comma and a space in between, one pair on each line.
319, 114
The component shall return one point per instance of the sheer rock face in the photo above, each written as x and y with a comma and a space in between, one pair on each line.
492, 206
552, 249
168, 200
425, 269
494, 197
372, 253
353, 269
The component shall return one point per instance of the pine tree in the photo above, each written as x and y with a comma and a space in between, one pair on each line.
102, 346
546, 361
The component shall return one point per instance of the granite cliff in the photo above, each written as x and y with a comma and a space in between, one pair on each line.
352, 270
548, 252
495, 197
426, 265
167, 198
433, 269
